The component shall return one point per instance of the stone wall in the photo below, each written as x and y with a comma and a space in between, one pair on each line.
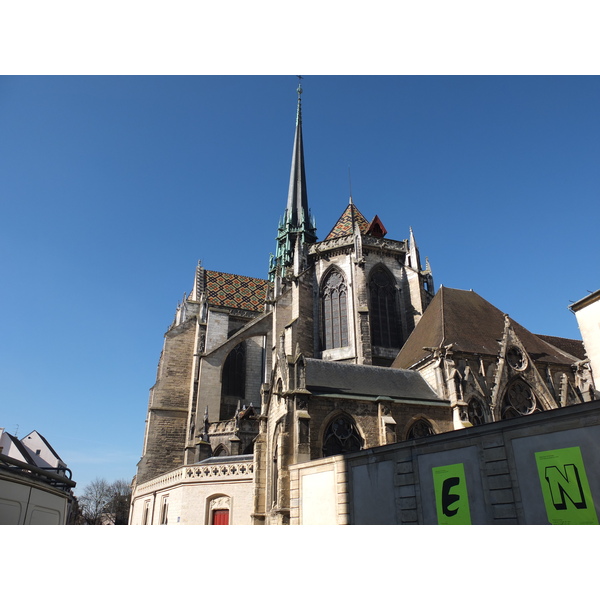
168, 406
539, 469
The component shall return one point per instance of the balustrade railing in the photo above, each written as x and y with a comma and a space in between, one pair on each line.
229, 471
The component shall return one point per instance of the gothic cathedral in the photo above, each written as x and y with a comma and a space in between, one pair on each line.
343, 347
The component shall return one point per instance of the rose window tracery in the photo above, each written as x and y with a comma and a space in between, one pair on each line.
475, 412
516, 359
519, 400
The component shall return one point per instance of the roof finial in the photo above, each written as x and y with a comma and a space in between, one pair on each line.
350, 184
299, 90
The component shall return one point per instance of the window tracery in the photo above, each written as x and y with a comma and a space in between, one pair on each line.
420, 429
341, 436
516, 359
334, 310
475, 412
383, 311
519, 400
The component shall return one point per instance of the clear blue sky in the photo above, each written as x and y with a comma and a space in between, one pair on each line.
112, 188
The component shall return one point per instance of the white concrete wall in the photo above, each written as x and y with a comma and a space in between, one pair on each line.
189, 497
588, 319
46, 458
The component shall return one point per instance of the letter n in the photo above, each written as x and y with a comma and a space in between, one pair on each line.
565, 485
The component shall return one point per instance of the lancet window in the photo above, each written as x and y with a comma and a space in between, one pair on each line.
334, 310
276, 462
383, 310
234, 372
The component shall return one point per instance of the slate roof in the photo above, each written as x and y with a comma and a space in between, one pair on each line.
472, 325
235, 291
573, 347
325, 377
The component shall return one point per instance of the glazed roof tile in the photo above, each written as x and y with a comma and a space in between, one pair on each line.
345, 224
235, 291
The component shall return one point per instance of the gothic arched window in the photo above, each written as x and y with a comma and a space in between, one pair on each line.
220, 451
519, 400
383, 311
334, 311
341, 436
420, 429
234, 372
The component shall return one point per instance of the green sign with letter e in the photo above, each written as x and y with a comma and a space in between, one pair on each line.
451, 499
565, 487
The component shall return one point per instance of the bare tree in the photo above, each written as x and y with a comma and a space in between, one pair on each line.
93, 501
117, 508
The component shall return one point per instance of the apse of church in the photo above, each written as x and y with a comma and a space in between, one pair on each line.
344, 347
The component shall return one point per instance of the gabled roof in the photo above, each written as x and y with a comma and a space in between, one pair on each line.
44, 441
340, 379
473, 325
25, 455
235, 291
351, 217
376, 228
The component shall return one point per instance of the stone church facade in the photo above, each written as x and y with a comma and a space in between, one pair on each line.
344, 347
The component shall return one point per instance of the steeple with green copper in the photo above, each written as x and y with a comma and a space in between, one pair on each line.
297, 227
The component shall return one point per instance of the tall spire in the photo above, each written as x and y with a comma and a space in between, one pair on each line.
297, 203
297, 221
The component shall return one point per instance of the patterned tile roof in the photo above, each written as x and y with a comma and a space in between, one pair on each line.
235, 291
344, 226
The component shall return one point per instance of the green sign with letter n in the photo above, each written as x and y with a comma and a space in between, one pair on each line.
565, 487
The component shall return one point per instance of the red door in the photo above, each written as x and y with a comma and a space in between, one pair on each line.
220, 517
